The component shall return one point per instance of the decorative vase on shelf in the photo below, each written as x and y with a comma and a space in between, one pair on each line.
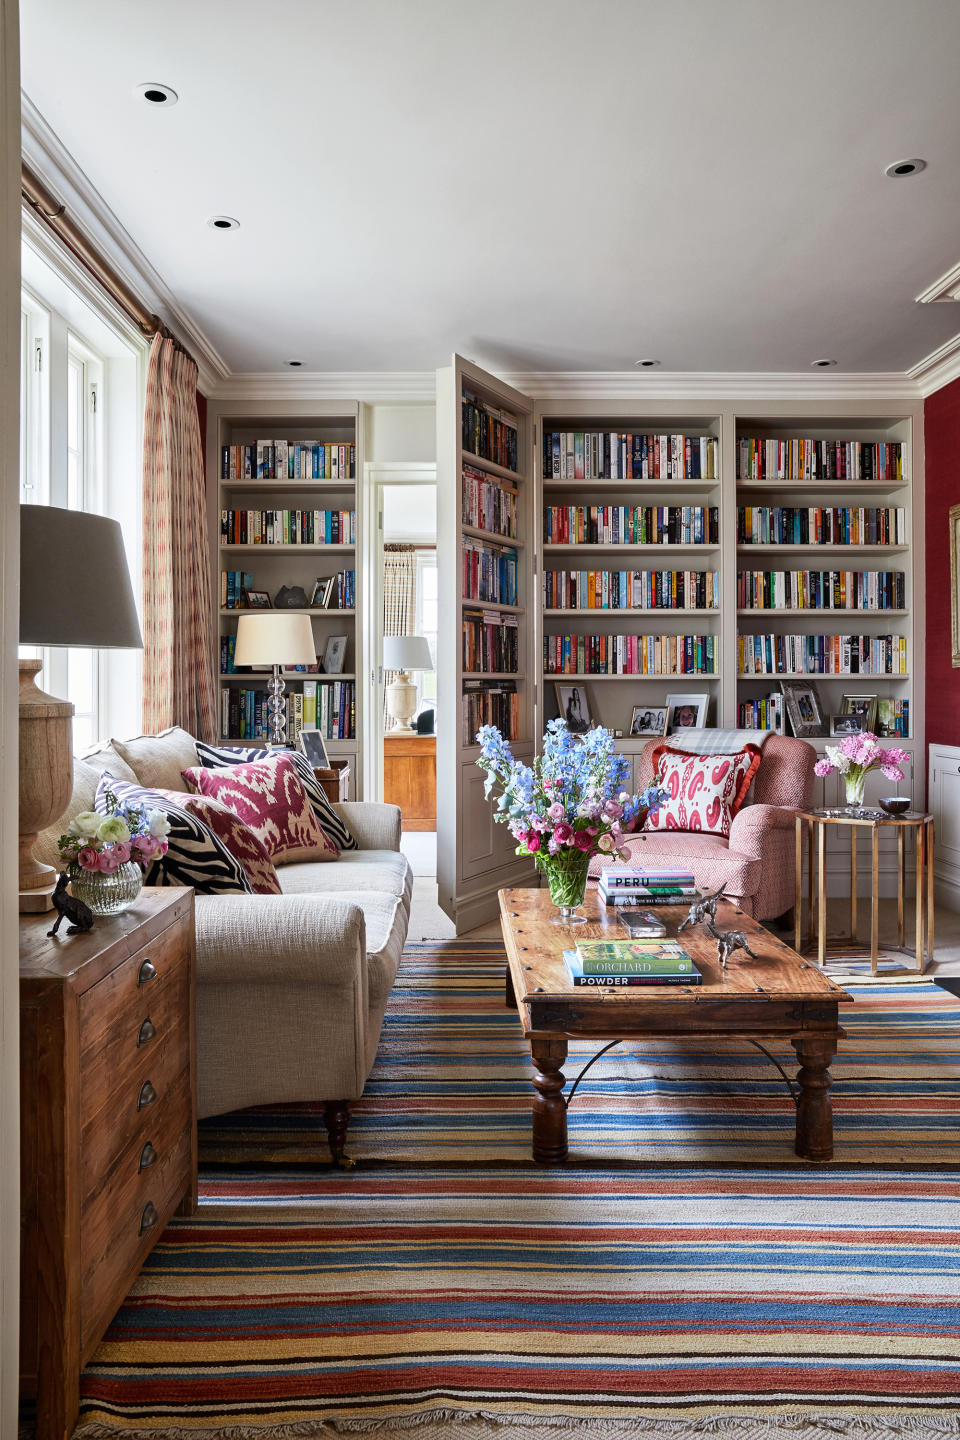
567, 877
854, 782
107, 894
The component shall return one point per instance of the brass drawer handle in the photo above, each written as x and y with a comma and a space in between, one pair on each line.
149, 1217
148, 1156
147, 1031
147, 1095
146, 972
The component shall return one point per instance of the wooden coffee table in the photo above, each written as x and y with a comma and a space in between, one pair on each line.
777, 995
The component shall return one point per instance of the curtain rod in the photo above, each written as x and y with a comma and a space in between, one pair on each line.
54, 214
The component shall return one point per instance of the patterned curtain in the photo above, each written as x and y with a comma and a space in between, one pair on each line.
179, 679
399, 600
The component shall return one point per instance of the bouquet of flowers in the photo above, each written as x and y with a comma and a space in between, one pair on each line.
569, 805
855, 756
101, 844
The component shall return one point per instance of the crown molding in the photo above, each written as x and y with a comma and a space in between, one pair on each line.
938, 368
379, 387
46, 154
945, 289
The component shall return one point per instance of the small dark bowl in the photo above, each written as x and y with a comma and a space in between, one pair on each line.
895, 804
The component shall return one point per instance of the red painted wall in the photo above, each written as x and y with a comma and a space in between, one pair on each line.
941, 427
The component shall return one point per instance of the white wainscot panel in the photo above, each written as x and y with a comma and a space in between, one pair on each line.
945, 808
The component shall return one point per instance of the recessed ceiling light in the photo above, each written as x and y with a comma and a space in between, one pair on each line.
158, 94
295, 363
223, 222
646, 364
901, 168
821, 364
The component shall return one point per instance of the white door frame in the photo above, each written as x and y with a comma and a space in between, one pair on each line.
377, 475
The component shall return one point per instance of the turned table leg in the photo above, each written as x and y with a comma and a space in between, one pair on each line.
549, 1111
814, 1140
336, 1118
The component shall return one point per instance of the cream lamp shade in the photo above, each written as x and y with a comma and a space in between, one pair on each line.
275, 638
404, 653
74, 590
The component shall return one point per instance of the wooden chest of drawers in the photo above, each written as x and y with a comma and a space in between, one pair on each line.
109, 1127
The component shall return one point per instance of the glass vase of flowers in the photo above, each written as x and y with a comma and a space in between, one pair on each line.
854, 758
106, 856
566, 807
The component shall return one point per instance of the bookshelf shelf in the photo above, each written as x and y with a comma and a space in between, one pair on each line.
808, 613
856, 677
328, 614
866, 551
287, 549
284, 487
587, 488
650, 551
236, 677
664, 678
820, 487
489, 537
492, 605
517, 477
601, 612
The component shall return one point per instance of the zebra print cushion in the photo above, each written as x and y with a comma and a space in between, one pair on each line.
214, 757
195, 856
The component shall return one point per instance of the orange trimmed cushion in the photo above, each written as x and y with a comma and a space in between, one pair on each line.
704, 792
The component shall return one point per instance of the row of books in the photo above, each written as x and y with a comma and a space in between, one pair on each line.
822, 654
288, 460
288, 527
631, 589
490, 702
821, 525
489, 432
489, 572
631, 654
764, 713
821, 590
488, 504
331, 592
630, 962
615, 455
819, 460
490, 641
631, 525
327, 706
657, 885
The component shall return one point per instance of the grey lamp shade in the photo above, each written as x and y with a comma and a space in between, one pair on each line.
406, 652
74, 583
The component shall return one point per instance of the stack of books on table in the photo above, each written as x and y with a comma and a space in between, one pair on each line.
646, 885
630, 962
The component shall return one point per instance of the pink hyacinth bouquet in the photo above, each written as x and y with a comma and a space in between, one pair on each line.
855, 757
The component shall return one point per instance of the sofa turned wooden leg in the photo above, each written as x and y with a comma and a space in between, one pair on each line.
336, 1117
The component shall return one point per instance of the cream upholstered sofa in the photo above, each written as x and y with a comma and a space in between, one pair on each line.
757, 864
291, 988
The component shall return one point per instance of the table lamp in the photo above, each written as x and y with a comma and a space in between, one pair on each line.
275, 638
404, 653
74, 590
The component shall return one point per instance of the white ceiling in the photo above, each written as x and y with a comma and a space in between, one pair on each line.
540, 184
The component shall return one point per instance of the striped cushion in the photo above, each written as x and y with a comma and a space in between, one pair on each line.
215, 757
195, 856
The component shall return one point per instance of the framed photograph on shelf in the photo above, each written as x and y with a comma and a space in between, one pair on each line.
311, 743
686, 712
257, 600
648, 720
334, 654
574, 708
320, 599
849, 723
804, 711
885, 723
863, 705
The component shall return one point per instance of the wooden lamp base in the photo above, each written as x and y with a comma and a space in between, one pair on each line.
46, 781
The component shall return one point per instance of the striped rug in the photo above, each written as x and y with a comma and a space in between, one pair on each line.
683, 1275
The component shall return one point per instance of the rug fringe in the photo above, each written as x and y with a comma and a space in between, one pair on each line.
445, 1424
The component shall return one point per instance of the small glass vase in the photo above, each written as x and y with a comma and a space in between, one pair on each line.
567, 877
107, 894
854, 782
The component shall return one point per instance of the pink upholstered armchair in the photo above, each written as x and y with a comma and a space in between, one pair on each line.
757, 863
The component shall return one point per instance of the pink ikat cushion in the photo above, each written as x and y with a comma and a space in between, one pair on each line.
268, 796
704, 791
238, 838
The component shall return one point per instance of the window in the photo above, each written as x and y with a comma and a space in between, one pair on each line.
426, 618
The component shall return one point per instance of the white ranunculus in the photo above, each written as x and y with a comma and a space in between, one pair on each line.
86, 825
113, 830
158, 823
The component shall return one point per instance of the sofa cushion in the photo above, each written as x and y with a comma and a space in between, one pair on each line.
709, 857
360, 870
86, 777
269, 797
704, 791
159, 760
195, 856
214, 757
239, 839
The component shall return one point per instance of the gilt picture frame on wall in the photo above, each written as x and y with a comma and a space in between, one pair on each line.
801, 701
955, 585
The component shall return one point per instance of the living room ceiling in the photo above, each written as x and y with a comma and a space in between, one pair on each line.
540, 184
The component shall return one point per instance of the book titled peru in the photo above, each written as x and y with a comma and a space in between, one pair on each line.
631, 962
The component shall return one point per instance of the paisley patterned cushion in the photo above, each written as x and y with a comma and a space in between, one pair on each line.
705, 791
268, 795
214, 757
239, 839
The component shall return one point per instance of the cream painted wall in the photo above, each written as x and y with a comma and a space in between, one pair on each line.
9, 624
400, 433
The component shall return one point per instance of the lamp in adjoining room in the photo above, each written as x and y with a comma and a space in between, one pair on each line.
277, 639
404, 653
74, 590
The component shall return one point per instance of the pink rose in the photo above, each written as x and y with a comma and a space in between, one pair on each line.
563, 833
532, 842
556, 811
583, 840
108, 862
122, 851
88, 858
145, 846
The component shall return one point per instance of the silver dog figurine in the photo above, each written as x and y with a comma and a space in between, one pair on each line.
703, 911
727, 942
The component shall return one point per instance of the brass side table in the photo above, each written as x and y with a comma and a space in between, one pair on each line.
815, 824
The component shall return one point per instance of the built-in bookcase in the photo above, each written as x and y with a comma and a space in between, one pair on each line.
285, 514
